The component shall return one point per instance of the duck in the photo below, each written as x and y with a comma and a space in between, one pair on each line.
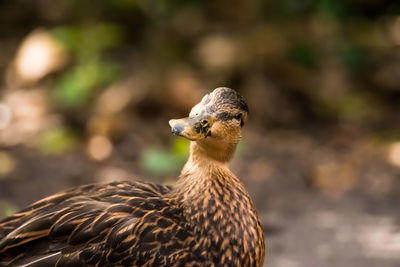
207, 219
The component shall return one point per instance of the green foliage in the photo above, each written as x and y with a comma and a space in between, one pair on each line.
7, 208
352, 56
159, 161
57, 141
292, 9
304, 54
180, 147
90, 41
387, 136
350, 107
241, 148
331, 8
75, 87
90, 71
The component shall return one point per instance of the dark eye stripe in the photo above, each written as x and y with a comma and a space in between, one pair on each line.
226, 116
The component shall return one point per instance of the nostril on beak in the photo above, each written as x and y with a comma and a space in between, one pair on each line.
177, 129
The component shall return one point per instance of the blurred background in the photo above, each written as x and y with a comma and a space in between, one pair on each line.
87, 89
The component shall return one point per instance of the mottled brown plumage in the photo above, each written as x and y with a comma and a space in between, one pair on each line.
207, 219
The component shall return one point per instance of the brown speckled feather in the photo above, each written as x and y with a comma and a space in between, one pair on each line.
207, 219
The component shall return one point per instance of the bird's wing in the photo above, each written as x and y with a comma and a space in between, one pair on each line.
66, 222
154, 239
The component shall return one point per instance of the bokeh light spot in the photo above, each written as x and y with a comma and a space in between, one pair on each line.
99, 147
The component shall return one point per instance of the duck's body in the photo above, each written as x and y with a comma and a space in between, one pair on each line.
208, 219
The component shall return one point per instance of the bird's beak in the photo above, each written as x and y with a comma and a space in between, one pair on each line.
193, 128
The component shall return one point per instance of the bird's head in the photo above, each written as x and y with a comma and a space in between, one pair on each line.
215, 123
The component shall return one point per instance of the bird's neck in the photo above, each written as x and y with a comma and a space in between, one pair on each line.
217, 205
203, 169
212, 151
200, 174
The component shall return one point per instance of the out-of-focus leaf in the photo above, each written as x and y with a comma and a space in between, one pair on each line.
180, 147
75, 87
351, 107
158, 161
7, 208
57, 141
87, 42
331, 8
161, 161
353, 57
285, 9
241, 148
304, 54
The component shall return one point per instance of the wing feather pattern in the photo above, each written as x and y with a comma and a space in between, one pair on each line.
86, 225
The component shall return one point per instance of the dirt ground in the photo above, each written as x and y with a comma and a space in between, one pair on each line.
324, 199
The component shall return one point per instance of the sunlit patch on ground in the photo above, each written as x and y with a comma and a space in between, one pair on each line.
380, 238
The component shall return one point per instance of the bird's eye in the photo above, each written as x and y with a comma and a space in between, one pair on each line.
239, 118
204, 121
